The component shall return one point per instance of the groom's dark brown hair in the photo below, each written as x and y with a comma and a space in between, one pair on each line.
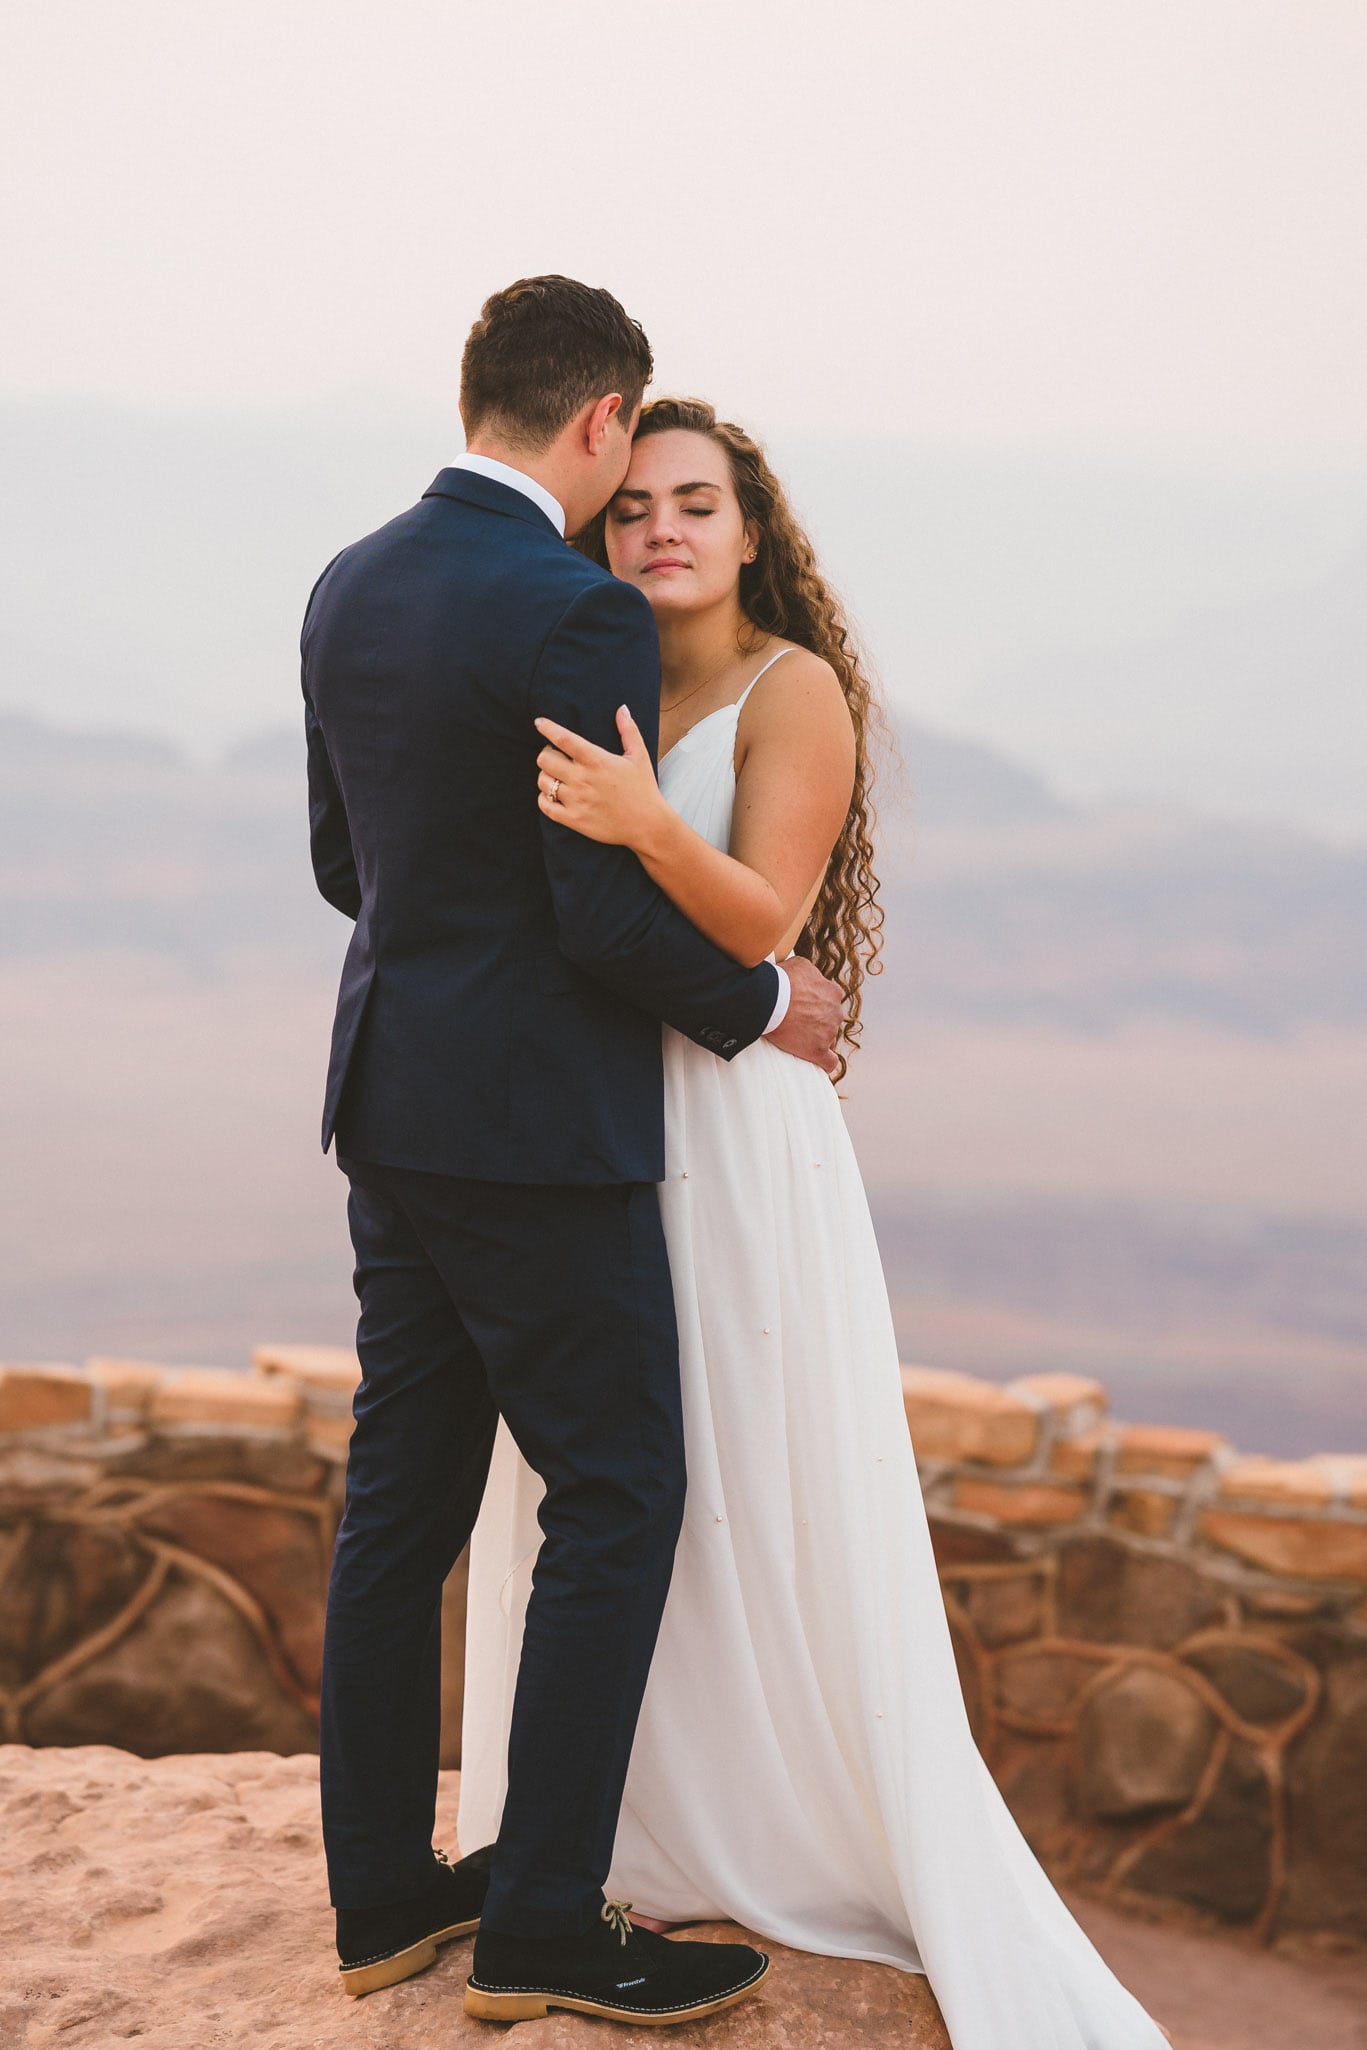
542, 349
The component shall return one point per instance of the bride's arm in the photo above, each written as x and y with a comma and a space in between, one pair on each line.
792, 798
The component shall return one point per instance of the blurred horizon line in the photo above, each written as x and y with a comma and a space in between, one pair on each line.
1223, 459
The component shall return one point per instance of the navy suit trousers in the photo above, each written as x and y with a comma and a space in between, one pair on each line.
552, 1307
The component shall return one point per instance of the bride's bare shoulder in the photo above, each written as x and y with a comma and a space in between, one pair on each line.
801, 695
795, 732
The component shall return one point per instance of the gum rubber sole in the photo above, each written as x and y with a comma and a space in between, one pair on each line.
533, 2007
387, 1971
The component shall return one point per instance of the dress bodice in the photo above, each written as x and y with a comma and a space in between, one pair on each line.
698, 775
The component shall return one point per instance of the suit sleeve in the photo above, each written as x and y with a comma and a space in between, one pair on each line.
334, 863
613, 921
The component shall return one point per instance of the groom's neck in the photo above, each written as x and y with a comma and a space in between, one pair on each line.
546, 467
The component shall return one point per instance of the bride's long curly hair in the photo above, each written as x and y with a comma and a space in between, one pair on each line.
783, 593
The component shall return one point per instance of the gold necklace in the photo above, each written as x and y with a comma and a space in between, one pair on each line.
674, 703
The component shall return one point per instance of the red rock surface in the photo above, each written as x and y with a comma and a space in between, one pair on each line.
179, 1904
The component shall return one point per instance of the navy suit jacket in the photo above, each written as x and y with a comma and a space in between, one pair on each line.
501, 1000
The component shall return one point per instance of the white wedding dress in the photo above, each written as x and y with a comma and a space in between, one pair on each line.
803, 1763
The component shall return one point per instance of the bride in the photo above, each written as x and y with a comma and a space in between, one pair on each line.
803, 1763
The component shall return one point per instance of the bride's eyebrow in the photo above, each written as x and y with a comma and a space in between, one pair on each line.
679, 491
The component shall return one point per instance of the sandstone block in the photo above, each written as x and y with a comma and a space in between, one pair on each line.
1075, 1458
189, 1676
40, 1398
1221, 1862
66, 1581
1042, 1683
214, 1395
33, 1476
1347, 1473
1293, 1481
315, 1366
1260, 1684
1075, 1400
328, 1436
1143, 1739
1038, 1774
1029, 1502
1168, 1449
958, 1544
1006, 1611
274, 1459
1110, 1593
1309, 1548
276, 1553
128, 1385
1286, 1604
955, 1416
1145, 1510
1327, 1807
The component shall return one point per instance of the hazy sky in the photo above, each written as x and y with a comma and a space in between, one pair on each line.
1087, 224
1052, 314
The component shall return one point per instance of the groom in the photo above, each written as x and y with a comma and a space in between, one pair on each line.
496, 1093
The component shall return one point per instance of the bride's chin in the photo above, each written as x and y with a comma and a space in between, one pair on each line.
663, 599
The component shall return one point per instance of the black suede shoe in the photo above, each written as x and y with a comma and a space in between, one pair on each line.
380, 1946
619, 1972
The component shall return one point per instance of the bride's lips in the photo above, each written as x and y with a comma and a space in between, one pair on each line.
665, 562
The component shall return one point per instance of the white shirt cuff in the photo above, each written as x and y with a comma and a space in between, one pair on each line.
785, 996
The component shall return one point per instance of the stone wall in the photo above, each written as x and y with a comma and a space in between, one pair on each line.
1163, 1645
164, 1544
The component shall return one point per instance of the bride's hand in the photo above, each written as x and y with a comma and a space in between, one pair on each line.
604, 796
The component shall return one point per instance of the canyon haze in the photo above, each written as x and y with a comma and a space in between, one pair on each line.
1109, 1106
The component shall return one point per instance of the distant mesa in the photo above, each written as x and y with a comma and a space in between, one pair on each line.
279, 751
1251, 707
26, 742
952, 781
968, 783
1012, 902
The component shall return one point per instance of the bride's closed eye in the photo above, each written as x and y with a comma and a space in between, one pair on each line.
697, 512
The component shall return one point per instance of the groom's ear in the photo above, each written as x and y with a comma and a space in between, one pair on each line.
600, 419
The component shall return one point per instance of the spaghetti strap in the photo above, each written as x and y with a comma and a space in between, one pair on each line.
763, 672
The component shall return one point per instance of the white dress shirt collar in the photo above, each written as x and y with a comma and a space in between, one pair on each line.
517, 480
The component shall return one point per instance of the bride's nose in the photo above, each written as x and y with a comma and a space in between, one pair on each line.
664, 527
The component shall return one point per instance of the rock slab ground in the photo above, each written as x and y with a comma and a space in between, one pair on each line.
179, 1904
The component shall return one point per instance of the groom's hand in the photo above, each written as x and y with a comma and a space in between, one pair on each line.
812, 1021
